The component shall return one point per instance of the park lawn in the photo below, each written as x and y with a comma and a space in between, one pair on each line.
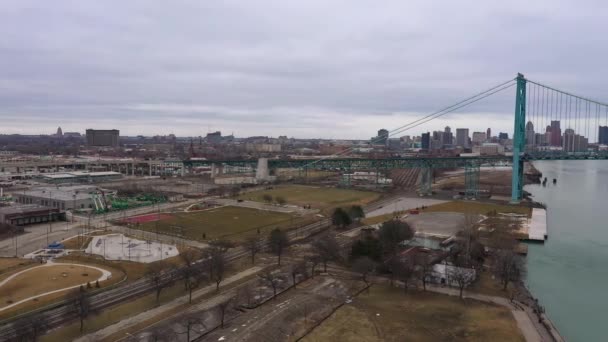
11, 264
44, 279
387, 314
232, 223
317, 197
477, 208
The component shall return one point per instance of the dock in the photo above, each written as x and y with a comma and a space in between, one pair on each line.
537, 225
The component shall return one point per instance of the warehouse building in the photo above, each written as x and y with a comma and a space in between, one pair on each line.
24, 214
79, 177
64, 198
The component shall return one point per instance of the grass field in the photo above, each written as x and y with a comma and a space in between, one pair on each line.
45, 279
10, 264
317, 197
231, 223
477, 208
387, 314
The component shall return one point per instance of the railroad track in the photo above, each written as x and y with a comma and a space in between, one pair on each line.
61, 313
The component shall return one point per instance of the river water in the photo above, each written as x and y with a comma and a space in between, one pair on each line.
569, 273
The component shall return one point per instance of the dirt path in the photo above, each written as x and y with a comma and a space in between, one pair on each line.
144, 316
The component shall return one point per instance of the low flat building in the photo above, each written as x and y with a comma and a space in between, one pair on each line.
24, 214
79, 177
64, 197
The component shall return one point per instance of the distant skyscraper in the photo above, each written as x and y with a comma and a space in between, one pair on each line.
603, 135
489, 133
574, 142
426, 141
382, 137
556, 133
447, 137
530, 135
479, 138
462, 137
503, 136
59, 132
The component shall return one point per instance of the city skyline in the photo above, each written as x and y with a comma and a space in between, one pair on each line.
258, 68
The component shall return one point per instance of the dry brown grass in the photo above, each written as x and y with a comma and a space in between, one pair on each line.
44, 279
387, 314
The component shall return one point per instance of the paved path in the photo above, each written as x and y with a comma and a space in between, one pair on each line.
403, 203
104, 276
524, 321
149, 314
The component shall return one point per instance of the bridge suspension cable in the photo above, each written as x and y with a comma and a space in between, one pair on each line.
429, 117
561, 122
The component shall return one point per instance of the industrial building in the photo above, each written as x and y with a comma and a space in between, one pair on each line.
64, 197
79, 177
102, 137
24, 214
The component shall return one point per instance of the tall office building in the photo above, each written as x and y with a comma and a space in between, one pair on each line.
530, 134
503, 136
574, 142
102, 137
489, 133
462, 137
556, 133
603, 135
382, 137
447, 137
426, 141
479, 138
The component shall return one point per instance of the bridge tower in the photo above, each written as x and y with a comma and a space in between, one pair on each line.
519, 140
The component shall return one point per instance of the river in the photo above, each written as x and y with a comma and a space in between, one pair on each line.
569, 273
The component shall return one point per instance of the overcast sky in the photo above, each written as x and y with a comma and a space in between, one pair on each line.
314, 68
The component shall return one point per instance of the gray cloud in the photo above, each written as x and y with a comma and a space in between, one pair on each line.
305, 69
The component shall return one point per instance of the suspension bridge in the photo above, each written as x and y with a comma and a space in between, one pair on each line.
549, 124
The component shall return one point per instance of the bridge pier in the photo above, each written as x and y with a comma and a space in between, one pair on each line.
426, 181
471, 180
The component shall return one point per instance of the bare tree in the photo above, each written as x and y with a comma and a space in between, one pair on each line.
253, 246
314, 260
189, 321
424, 268
222, 307
158, 278
245, 293
404, 272
278, 242
188, 257
218, 265
462, 276
158, 334
194, 278
30, 327
271, 279
508, 267
363, 265
296, 269
80, 302
267, 198
328, 248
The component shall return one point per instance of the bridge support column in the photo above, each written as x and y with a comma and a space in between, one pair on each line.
426, 181
519, 140
261, 172
471, 180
